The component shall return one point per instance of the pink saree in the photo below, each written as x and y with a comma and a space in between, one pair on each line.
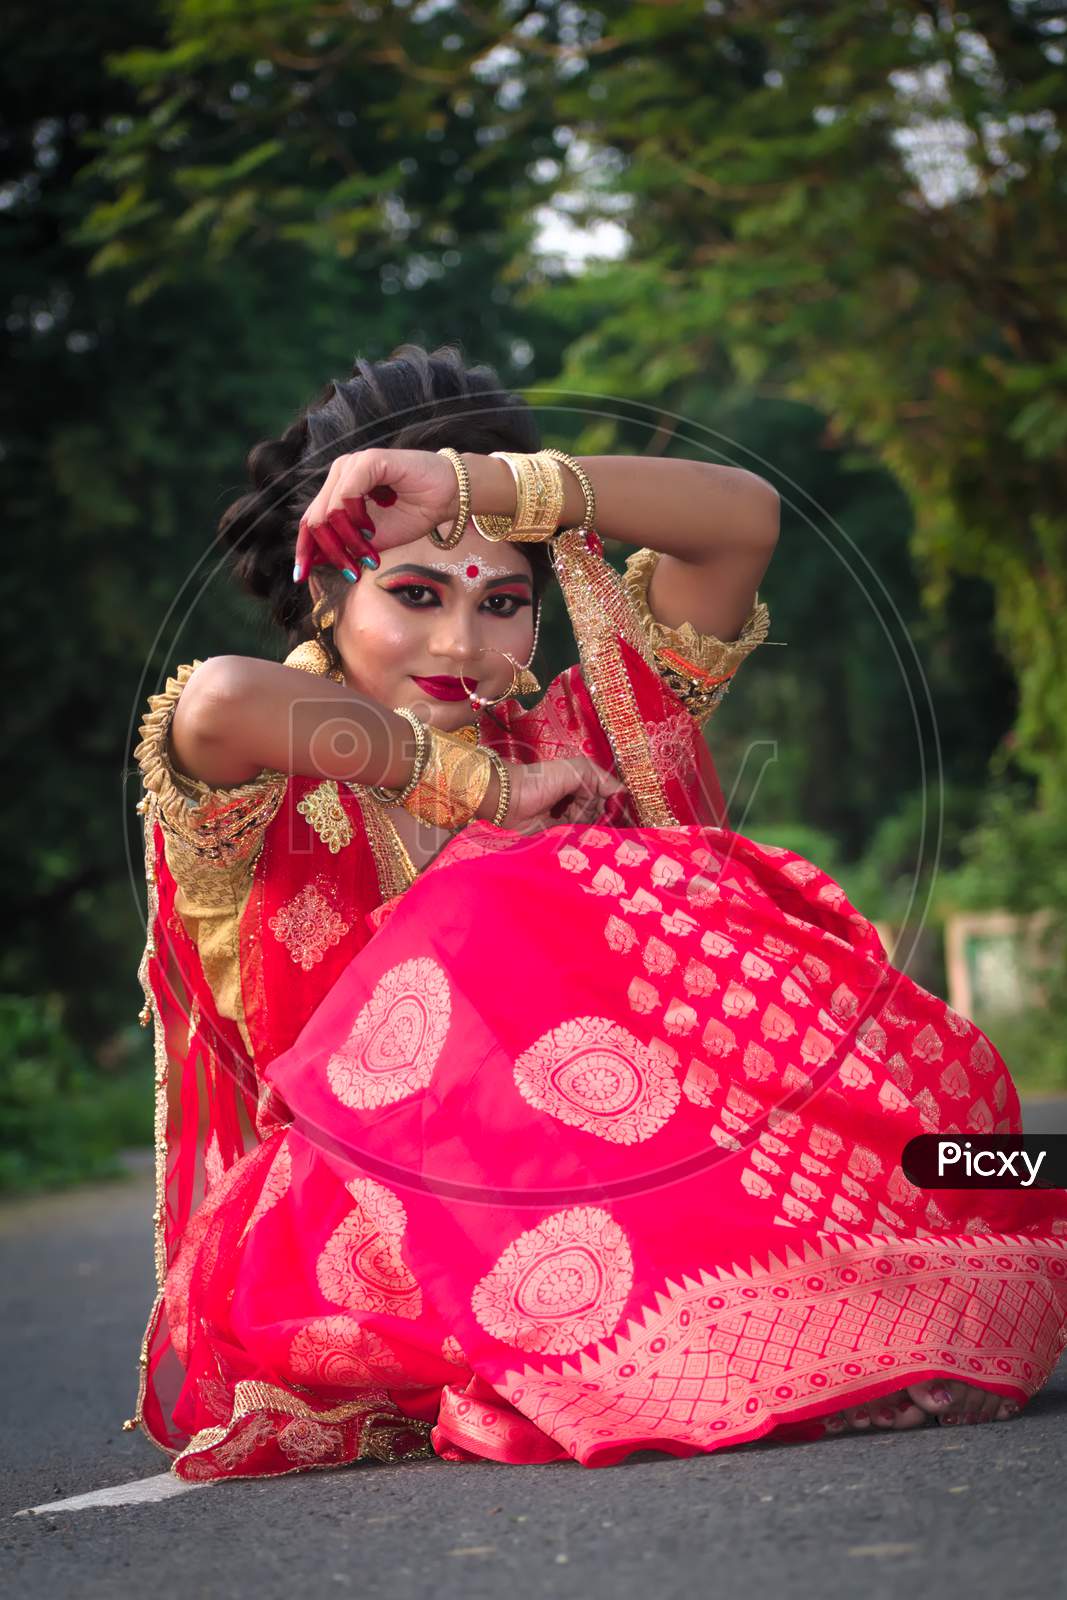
594, 1145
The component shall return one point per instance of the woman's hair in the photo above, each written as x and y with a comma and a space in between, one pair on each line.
414, 400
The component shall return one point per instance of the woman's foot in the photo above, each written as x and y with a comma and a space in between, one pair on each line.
950, 1401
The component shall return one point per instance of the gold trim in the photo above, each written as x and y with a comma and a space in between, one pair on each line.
697, 667
599, 609
380, 1418
160, 1111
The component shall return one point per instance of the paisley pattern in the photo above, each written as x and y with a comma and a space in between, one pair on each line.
338, 1352
594, 1074
361, 1267
396, 1039
559, 1286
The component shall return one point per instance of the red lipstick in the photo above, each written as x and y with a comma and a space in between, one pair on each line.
442, 688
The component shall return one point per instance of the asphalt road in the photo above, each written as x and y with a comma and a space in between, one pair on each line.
933, 1512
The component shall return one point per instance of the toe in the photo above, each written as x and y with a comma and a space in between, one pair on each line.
991, 1404
974, 1404
909, 1415
1007, 1408
937, 1396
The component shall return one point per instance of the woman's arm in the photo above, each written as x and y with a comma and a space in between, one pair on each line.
716, 527
238, 715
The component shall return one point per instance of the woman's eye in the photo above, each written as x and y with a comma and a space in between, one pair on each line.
513, 601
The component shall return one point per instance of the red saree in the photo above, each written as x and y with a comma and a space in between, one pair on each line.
591, 1143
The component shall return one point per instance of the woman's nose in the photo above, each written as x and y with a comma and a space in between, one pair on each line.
458, 638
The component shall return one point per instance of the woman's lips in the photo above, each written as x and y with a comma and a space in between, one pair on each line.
442, 688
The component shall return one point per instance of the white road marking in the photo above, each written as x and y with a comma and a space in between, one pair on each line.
142, 1492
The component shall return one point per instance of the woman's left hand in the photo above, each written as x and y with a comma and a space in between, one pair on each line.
418, 490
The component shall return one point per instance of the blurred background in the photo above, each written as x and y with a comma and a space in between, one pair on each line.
823, 243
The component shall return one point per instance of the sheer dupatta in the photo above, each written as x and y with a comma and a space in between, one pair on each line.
207, 1113
615, 706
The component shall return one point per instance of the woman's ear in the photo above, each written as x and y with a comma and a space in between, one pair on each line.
315, 587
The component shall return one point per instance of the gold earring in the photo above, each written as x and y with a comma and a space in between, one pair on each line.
322, 615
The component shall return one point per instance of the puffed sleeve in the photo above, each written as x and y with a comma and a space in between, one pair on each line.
697, 667
208, 830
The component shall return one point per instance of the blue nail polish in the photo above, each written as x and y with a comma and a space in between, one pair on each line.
296, 572
349, 574
370, 561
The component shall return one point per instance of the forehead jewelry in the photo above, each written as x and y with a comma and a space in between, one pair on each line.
473, 570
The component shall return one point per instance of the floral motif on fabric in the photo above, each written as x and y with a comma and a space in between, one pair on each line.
452, 1351
720, 1355
594, 1074
396, 1039
360, 1266
671, 742
308, 925
309, 1443
559, 1286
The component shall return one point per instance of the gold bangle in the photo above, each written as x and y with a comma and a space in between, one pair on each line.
455, 533
505, 788
422, 750
539, 495
589, 517
453, 782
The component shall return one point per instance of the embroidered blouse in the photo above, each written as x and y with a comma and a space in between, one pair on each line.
698, 667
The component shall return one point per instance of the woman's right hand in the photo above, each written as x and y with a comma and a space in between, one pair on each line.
538, 786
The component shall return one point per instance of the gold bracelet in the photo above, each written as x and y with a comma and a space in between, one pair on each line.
455, 533
589, 518
539, 496
453, 782
422, 751
505, 787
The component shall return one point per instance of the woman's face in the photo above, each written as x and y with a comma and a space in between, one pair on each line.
454, 615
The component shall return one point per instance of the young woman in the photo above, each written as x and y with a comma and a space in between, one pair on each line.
509, 1104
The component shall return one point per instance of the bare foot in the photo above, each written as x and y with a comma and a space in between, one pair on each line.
947, 1399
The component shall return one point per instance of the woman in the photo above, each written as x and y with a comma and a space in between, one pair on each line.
509, 1104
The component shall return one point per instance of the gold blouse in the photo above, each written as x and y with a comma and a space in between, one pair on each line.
213, 836
698, 667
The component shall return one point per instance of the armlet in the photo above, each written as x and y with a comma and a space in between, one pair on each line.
697, 667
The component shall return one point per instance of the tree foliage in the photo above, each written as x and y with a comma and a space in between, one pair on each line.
838, 267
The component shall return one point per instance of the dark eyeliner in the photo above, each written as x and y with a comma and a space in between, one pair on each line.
418, 605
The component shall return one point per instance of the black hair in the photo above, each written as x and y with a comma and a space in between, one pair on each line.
414, 400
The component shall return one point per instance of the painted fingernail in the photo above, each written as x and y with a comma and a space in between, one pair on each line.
297, 572
371, 561
349, 574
